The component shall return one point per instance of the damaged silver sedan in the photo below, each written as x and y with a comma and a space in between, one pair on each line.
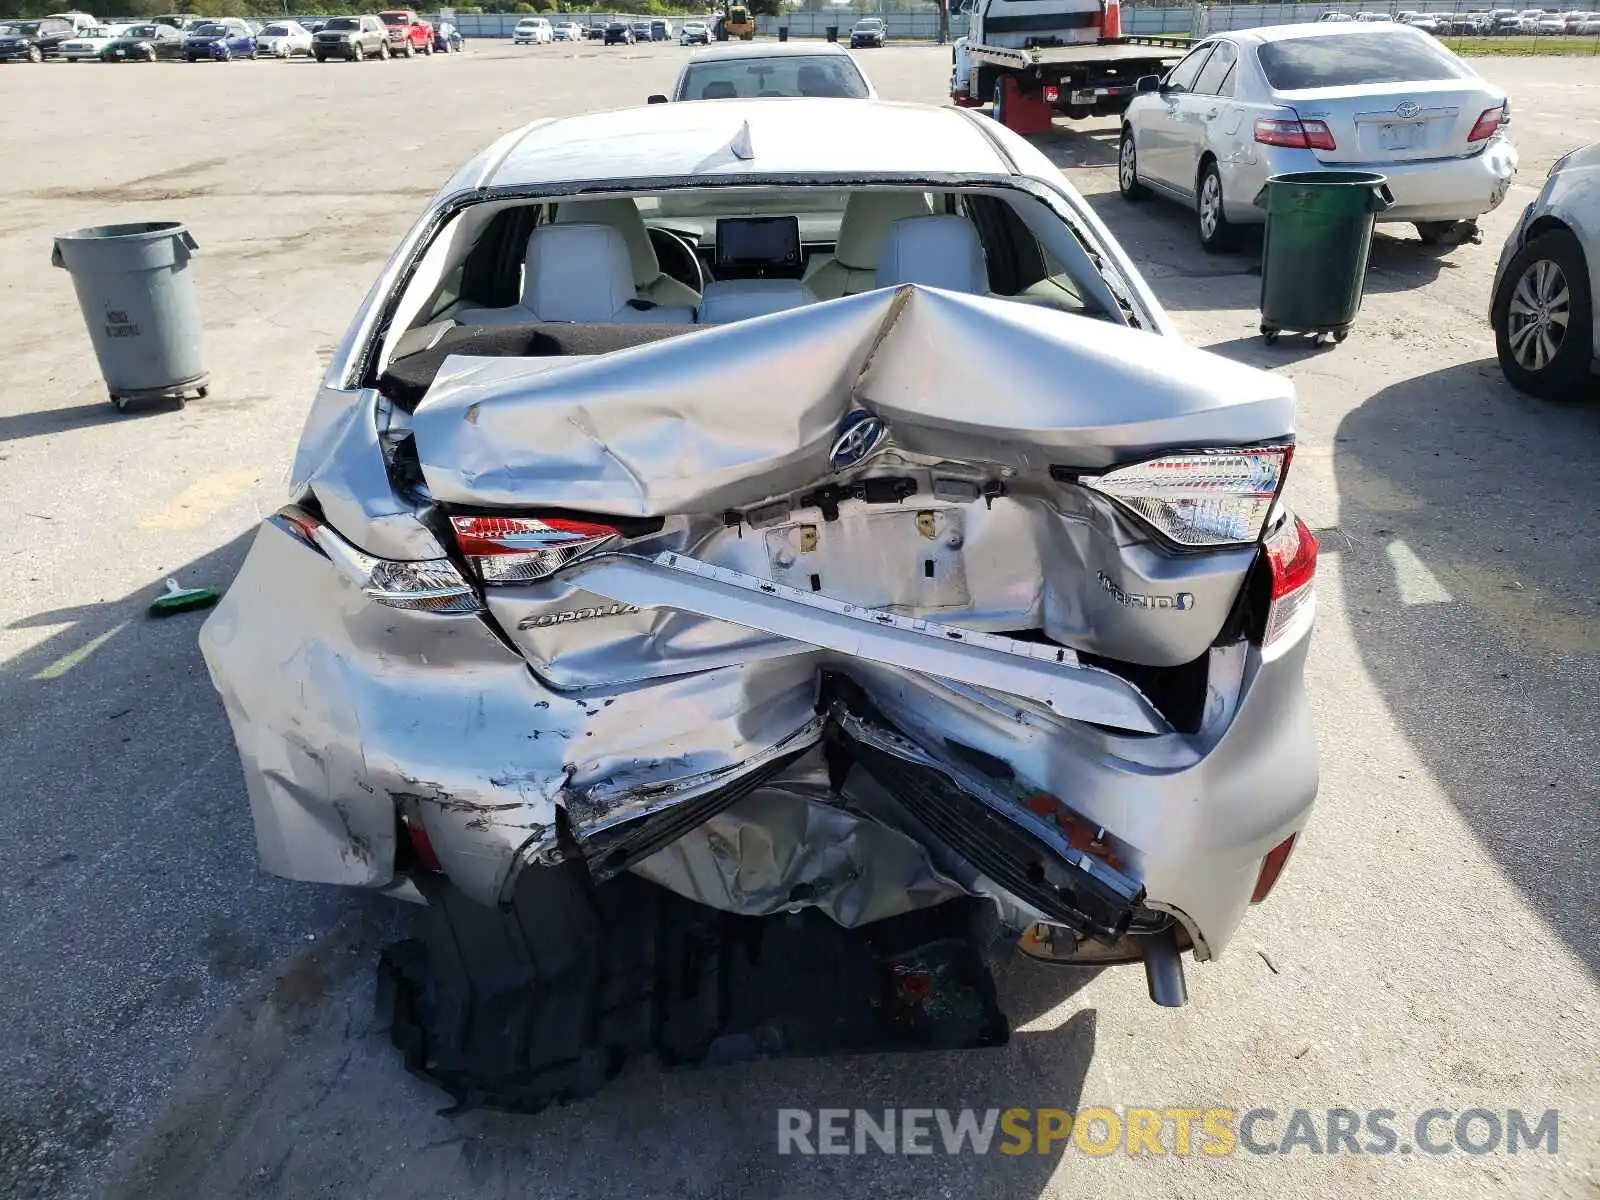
750, 565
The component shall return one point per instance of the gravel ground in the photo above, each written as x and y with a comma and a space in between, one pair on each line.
175, 1023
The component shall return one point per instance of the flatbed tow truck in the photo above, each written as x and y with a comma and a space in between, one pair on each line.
1034, 59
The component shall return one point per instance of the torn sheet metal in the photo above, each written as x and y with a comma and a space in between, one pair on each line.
731, 415
788, 845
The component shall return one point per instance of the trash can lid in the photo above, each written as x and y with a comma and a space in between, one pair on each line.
1365, 179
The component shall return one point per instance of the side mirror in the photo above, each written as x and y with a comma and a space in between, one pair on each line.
657, 99
1148, 83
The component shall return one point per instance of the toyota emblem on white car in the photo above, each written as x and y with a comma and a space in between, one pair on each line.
859, 435
1407, 108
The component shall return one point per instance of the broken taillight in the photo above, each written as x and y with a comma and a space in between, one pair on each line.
1204, 499
1489, 122
1292, 559
523, 549
418, 585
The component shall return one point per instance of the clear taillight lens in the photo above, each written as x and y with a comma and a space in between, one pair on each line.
1201, 500
1292, 558
523, 549
424, 585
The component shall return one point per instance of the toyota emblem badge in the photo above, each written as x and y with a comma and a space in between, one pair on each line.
859, 435
1407, 108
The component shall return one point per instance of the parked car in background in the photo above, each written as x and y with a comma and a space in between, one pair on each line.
1335, 17
660, 30
1551, 26
595, 31
1591, 25
1239, 107
1429, 23
1546, 322
726, 72
618, 33
1373, 16
219, 41
567, 31
532, 31
1528, 20
869, 31
144, 43
447, 39
36, 40
409, 34
641, 31
283, 39
351, 38
81, 22
1505, 21
694, 33
86, 47
313, 24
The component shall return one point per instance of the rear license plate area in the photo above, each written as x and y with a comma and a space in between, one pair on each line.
910, 559
1402, 135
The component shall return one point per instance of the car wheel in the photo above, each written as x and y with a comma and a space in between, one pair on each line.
35, 55
357, 54
226, 55
321, 58
383, 52
1128, 169
1543, 317
1217, 233
1445, 233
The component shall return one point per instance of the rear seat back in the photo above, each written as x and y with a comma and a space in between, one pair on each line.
577, 273
942, 252
739, 299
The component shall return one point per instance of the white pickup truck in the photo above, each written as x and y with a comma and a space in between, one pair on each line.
1036, 58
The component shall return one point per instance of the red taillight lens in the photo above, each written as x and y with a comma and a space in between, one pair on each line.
1292, 558
421, 845
523, 549
1489, 122
1295, 134
1051, 94
1271, 867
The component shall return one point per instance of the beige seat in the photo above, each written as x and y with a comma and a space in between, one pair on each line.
623, 216
854, 262
577, 273
942, 252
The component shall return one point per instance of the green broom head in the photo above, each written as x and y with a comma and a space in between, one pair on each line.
181, 599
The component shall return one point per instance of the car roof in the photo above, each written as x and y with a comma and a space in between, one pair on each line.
1281, 33
774, 50
786, 136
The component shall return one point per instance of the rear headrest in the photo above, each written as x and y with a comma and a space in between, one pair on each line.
739, 299
942, 252
623, 216
719, 89
867, 217
576, 273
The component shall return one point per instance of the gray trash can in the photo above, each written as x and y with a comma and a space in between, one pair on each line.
138, 300
833, 33
783, 33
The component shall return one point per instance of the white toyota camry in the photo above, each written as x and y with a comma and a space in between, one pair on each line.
1378, 97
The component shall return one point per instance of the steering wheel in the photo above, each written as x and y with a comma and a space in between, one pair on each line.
678, 259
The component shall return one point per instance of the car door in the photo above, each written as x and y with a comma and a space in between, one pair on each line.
1159, 138
1206, 118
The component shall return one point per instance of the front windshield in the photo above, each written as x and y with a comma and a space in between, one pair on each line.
343, 23
25, 28
394, 18
211, 31
275, 31
792, 75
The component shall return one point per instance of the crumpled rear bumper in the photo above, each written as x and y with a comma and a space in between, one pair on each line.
349, 715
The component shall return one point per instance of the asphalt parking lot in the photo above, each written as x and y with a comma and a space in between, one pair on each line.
173, 1023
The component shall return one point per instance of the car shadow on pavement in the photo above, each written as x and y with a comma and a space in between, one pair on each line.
1159, 235
134, 909
1469, 550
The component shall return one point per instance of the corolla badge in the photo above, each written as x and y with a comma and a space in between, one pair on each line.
859, 435
540, 620
1407, 108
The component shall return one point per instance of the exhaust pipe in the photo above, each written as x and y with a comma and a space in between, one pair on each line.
1163, 970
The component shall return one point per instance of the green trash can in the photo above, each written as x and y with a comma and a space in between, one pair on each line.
1314, 262
137, 297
